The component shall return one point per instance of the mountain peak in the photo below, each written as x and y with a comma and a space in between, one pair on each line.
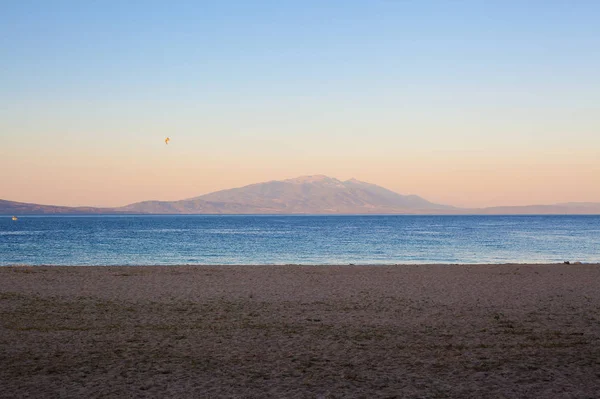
312, 179
353, 180
313, 194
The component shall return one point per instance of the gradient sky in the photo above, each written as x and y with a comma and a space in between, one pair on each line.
469, 103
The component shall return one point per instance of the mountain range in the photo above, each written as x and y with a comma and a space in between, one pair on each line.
303, 195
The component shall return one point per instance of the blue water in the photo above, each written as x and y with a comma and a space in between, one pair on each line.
171, 240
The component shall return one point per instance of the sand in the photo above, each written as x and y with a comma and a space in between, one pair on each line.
428, 331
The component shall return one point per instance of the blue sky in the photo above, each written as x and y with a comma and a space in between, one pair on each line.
336, 86
276, 47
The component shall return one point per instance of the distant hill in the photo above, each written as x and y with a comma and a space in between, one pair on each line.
303, 195
23, 208
570, 208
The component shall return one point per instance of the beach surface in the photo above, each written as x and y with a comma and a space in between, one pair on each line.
423, 331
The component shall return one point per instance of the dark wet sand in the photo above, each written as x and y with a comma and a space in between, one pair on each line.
433, 331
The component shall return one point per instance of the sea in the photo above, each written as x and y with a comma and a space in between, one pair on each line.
294, 239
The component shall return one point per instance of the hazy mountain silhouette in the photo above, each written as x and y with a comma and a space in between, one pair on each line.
307, 194
303, 195
24, 208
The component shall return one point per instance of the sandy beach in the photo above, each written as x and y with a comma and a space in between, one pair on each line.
427, 331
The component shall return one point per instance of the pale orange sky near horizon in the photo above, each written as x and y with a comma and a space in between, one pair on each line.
465, 156
469, 103
461, 178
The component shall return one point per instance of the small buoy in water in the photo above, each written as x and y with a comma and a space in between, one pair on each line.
14, 218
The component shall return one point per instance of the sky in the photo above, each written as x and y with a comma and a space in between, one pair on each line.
467, 103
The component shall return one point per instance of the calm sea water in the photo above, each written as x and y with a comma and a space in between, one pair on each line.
171, 240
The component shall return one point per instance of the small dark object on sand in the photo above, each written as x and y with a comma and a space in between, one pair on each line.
567, 262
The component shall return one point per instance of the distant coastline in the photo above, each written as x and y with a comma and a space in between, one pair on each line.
25, 209
10, 208
305, 195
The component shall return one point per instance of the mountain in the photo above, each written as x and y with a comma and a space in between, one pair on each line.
23, 208
568, 208
303, 195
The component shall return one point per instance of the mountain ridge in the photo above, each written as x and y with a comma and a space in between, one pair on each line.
318, 194
311, 194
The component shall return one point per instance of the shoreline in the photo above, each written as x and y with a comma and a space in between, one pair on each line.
356, 265
511, 331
